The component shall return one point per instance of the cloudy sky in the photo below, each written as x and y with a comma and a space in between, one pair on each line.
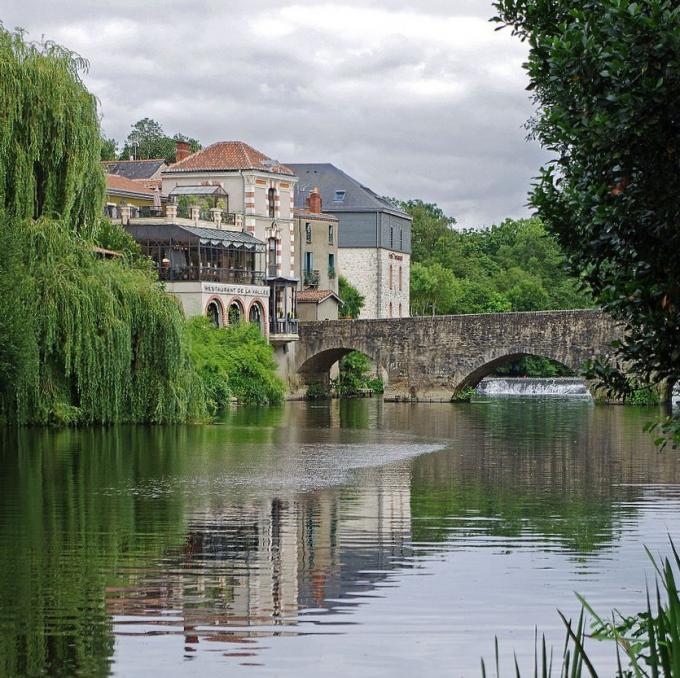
416, 100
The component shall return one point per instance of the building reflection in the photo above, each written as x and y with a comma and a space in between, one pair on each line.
258, 567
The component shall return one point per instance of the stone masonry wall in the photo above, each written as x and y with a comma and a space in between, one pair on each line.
432, 357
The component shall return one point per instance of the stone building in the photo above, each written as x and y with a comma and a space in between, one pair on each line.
374, 237
256, 197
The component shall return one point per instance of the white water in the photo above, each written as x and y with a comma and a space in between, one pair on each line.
526, 386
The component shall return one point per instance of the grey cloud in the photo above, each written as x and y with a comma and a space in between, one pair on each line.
409, 116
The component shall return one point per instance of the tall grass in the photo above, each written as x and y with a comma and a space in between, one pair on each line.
646, 644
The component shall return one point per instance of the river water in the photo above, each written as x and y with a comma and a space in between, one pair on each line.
353, 538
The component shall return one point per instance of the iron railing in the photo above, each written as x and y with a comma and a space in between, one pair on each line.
311, 278
284, 326
205, 274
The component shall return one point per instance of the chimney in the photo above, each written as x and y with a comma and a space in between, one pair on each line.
182, 150
314, 201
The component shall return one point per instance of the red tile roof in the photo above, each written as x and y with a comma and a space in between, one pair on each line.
314, 215
229, 155
315, 296
115, 183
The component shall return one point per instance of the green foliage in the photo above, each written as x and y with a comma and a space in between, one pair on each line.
109, 148
352, 300
233, 362
515, 266
646, 643
82, 340
465, 395
355, 377
606, 81
148, 140
101, 341
317, 391
49, 135
533, 366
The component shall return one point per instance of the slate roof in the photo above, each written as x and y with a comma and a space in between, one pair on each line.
315, 296
121, 185
133, 169
329, 179
229, 155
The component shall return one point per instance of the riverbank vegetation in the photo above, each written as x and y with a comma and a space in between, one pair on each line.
85, 339
605, 82
233, 363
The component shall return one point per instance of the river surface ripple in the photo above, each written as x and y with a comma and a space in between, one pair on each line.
336, 539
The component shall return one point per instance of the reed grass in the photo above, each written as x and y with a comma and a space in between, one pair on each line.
646, 644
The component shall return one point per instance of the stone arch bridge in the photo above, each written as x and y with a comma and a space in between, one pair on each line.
435, 357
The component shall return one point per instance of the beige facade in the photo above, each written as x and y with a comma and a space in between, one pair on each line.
317, 251
382, 277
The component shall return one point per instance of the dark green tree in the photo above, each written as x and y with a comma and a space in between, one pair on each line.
109, 148
352, 299
429, 225
606, 80
148, 140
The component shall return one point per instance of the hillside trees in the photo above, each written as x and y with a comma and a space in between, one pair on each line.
514, 266
606, 81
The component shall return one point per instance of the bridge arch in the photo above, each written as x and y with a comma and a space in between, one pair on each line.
317, 367
487, 368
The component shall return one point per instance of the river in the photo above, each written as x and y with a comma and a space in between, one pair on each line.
354, 538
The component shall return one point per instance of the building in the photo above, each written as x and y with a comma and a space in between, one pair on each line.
374, 237
257, 198
124, 192
145, 172
316, 235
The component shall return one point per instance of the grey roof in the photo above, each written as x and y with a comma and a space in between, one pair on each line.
329, 180
193, 234
134, 169
197, 190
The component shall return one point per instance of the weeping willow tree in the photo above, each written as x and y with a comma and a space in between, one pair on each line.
82, 340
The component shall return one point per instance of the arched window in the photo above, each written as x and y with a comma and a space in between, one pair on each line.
214, 313
256, 316
235, 313
271, 201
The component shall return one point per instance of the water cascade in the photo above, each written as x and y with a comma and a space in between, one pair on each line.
525, 386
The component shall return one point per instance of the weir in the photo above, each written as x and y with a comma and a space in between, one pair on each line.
527, 387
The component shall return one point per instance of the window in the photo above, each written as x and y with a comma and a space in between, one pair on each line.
400, 281
339, 196
309, 262
389, 279
400, 310
331, 266
271, 201
331, 235
390, 311
271, 257
235, 313
391, 237
308, 232
401, 238
255, 315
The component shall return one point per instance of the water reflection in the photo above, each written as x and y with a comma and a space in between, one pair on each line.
134, 547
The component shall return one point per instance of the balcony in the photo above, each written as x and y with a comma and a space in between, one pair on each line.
284, 327
209, 274
311, 278
331, 272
